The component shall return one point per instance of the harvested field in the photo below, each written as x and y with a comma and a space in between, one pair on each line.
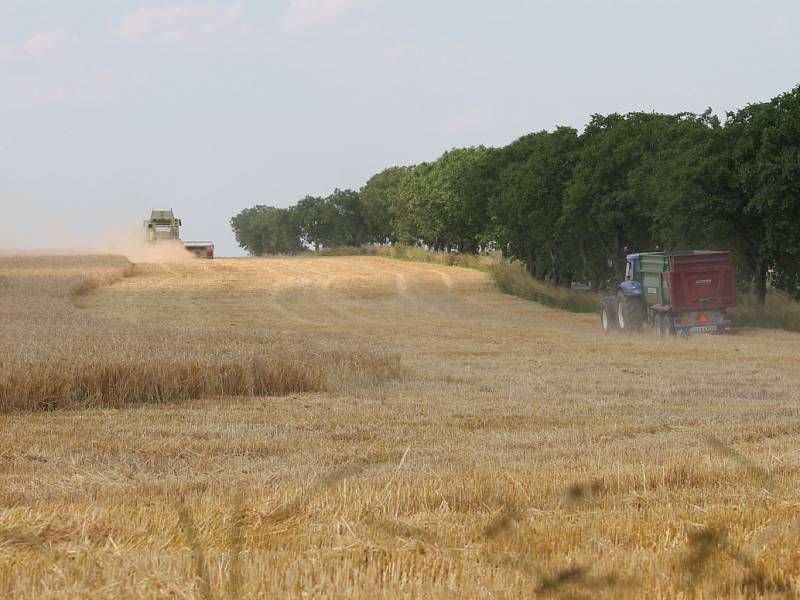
464, 443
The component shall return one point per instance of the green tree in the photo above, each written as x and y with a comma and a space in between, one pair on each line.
777, 191
612, 200
681, 182
347, 226
527, 207
245, 227
315, 219
267, 230
410, 222
381, 204
441, 210
752, 174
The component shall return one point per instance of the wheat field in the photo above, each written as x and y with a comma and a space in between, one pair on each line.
441, 441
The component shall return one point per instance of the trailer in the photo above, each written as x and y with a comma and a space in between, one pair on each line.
677, 293
200, 249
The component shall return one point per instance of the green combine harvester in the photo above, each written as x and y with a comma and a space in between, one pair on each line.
164, 226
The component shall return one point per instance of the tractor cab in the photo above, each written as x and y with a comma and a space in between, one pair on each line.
631, 285
633, 267
625, 269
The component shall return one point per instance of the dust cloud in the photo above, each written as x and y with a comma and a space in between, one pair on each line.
132, 245
127, 242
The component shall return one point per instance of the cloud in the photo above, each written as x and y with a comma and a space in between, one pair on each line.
471, 119
175, 24
400, 52
50, 68
302, 14
49, 42
69, 85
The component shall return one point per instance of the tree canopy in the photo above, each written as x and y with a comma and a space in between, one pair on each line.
565, 202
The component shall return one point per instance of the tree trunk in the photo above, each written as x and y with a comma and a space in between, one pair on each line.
585, 263
760, 280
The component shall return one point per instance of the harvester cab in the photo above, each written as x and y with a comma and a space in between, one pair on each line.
162, 225
675, 292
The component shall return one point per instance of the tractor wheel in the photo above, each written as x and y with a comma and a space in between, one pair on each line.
630, 312
608, 320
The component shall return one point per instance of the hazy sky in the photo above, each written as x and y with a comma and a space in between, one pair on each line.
109, 108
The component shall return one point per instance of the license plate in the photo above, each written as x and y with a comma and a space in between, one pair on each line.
703, 328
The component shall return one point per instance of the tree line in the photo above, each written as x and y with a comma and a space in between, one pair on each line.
567, 203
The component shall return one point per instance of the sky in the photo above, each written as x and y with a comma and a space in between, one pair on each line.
111, 108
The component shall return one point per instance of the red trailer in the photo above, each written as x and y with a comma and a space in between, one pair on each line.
200, 249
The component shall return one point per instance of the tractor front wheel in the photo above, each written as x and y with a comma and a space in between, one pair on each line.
608, 318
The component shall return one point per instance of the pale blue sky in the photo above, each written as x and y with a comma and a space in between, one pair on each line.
111, 107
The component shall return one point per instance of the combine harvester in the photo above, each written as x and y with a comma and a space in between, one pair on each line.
163, 226
678, 293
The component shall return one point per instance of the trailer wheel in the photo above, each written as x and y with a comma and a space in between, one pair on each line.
608, 320
667, 325
658, 324
630, 312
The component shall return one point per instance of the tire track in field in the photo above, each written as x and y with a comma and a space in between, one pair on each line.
310, 292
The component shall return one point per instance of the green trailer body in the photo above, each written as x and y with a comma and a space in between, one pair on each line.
652, 266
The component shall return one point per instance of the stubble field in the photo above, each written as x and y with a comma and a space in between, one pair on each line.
367, 427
